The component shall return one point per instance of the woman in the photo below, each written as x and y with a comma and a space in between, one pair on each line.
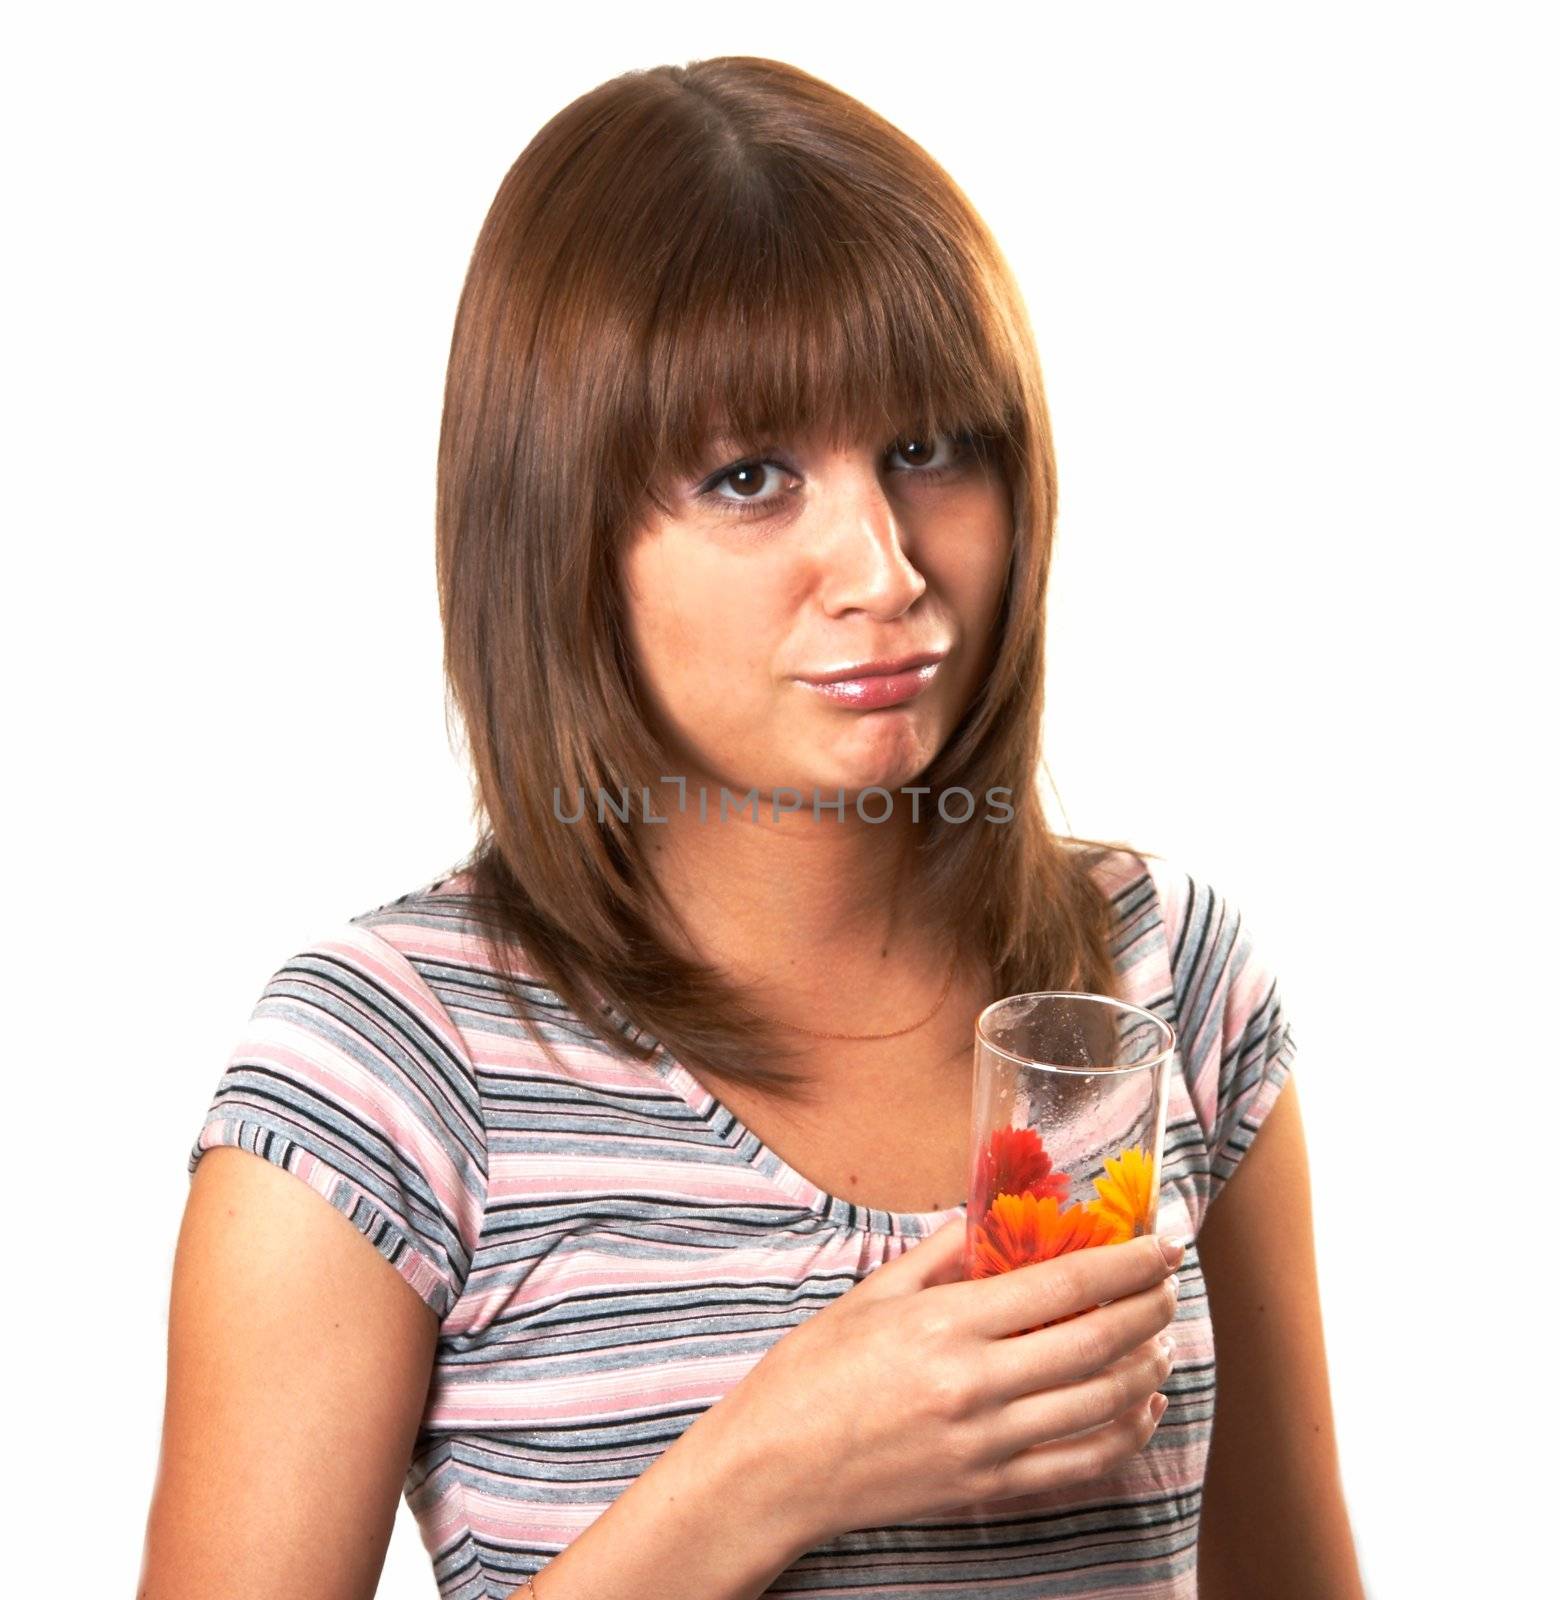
656, 1109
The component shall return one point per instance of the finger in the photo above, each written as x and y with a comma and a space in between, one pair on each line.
1070, 1408
1079, 1457
1079, 1280
1080, 1346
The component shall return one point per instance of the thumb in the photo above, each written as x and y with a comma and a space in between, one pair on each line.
938, 1258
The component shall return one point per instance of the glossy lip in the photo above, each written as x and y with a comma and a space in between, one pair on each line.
876, 669
876, 690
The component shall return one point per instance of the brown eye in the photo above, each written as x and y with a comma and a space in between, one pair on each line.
747, 479
751, 488
934, 454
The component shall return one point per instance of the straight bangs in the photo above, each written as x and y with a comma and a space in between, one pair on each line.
792, 308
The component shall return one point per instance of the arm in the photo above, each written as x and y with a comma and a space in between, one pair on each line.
298, 1364
1274, 1521
702, 1522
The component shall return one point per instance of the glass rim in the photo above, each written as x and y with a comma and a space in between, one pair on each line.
1153, 1061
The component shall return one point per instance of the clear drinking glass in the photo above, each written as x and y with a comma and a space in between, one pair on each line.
1067, 1128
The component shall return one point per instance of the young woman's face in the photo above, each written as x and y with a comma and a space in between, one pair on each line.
780, 570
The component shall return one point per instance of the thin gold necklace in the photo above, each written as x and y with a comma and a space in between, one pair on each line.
894, 1034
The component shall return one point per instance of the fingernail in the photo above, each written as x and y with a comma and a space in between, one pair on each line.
1174, 1281
1157, 1405
1167, 1344
1172, 1250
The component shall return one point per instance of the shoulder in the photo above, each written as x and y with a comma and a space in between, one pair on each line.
1234, 1038
495, 996
1134, 884
432, 933
371, 998
391, 975
431, 921
1208, 966
1219, 963
1206, 934
352, 1074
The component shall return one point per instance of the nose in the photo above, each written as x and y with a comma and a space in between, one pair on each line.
865, 564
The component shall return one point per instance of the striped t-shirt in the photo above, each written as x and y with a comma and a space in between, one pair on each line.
609, 1250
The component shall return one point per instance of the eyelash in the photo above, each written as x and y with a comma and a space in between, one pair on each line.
758, 508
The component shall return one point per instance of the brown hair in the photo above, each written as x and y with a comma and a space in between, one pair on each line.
730, 244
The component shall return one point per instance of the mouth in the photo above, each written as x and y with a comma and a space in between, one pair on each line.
871, 691
876, 669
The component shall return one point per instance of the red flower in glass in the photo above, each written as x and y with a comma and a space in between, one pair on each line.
1015, 1162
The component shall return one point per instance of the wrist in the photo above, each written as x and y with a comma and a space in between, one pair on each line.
706, 1520
729, 1466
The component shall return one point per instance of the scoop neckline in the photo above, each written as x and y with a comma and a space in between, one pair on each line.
832, 1209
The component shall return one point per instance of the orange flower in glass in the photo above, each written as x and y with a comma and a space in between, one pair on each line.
1126, 1193
1015, 1162
1021, 1228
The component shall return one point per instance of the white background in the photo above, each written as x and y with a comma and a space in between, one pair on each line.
1292, 279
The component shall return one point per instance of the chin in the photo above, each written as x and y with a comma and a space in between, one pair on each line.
888, 769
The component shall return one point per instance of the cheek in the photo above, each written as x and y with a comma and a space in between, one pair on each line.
993, 556
704, 632
709, 628
972, 572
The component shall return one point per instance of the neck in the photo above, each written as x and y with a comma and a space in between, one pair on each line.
785, 903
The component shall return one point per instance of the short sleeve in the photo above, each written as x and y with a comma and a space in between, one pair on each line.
351, 1075
1233, 1037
